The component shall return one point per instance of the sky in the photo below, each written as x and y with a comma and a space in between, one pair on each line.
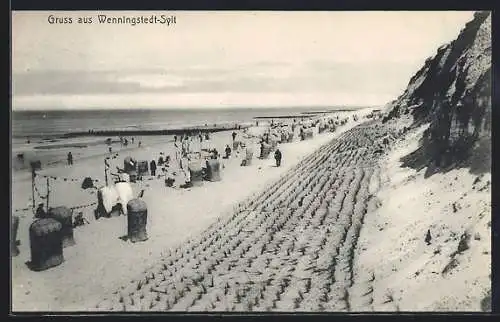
221, 59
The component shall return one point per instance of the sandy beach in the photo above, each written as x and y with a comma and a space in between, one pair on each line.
226, 248
174, 215
334, 178
312, 242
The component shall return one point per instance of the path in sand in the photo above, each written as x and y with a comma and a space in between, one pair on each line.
289, 248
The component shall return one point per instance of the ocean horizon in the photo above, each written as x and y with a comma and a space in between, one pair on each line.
49, 123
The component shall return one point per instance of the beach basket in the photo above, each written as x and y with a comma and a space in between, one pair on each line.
87, 183
46, 244
14, 251
137, 219
213, 170
265, 151
142, 168
65, 217
107, 203
248, 157
196, 173
129, 165
125, 194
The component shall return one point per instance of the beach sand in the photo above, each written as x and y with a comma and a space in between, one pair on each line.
452, 272
101, 261
339, 227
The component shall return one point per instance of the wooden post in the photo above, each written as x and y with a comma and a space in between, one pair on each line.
48, 192
106, 172
33, 174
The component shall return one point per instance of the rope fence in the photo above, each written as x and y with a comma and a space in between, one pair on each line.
64, 178
83, 206
21, 209
42, 194
72, 208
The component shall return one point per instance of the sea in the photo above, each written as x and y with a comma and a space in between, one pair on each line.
32, 130
56, 122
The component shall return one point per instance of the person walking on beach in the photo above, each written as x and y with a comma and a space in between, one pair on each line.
277, 157
234, 135
70, 158
152, 166
228, 151
214, 154
185, 146
188, 144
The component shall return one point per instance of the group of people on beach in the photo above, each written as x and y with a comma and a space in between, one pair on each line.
184, 148
188, 147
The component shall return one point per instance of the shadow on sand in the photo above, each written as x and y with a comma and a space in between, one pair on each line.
124, 238
478, 160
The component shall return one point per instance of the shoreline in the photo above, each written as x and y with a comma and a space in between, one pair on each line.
302, 116
174, 216
50, 149
178, 130
41, 146
174, 128
149, 132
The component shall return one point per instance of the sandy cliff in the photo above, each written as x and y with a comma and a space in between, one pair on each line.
427, 245
452, 92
